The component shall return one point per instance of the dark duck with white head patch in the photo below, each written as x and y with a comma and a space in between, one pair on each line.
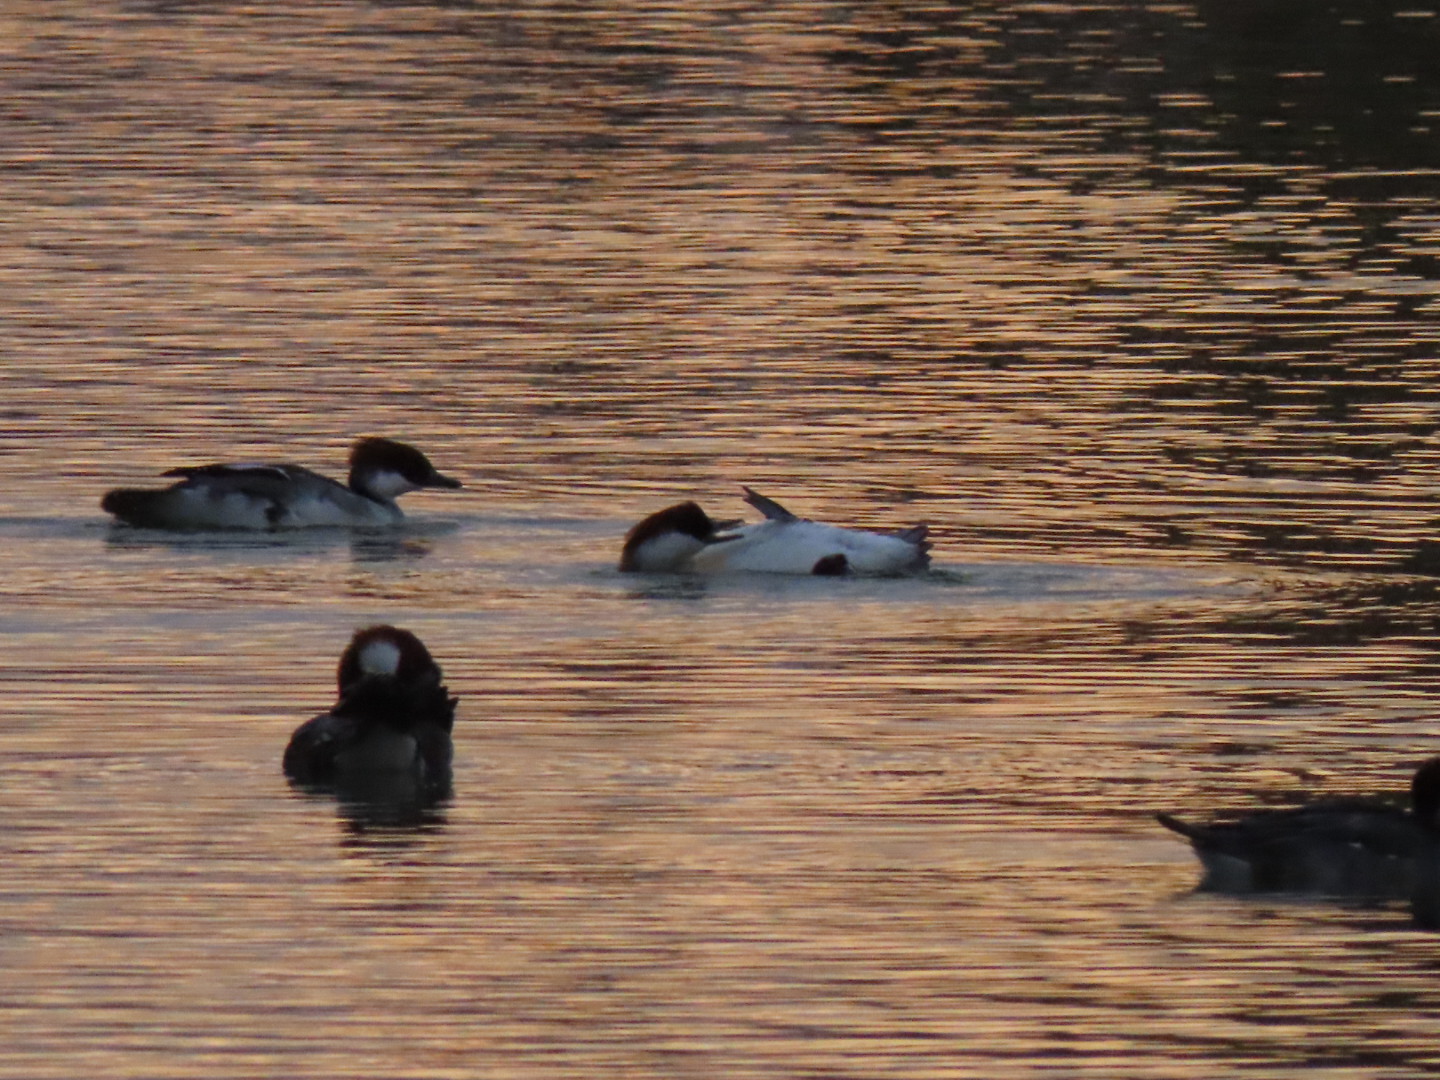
392, 721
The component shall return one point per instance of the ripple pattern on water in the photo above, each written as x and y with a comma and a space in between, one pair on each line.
1133, 304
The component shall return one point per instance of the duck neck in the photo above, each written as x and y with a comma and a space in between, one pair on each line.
363, 484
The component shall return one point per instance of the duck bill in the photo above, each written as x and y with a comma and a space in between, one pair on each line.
723, 531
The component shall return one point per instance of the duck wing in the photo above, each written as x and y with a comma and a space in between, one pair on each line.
310, 754
218, 470
1377, 827
772, 510
260, 481
917, 536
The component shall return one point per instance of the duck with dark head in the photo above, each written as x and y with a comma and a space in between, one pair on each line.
1350, 847
390, 728
271, 496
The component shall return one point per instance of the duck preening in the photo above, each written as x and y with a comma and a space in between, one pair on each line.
684, 539
391, 724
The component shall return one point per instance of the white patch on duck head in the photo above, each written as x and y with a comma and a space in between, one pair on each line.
385, 651
384, 484
380, 656
384, 469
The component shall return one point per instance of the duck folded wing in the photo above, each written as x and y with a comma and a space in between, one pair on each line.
252, 479
310, 754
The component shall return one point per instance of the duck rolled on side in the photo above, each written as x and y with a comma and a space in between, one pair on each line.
685, 539
391, 723
1336, 847
273, 496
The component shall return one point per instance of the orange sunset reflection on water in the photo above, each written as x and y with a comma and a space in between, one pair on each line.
1126, 302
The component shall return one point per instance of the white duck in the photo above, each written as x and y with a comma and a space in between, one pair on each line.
685, 539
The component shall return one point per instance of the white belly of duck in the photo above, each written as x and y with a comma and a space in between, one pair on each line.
795, 547
351, 509
200, 506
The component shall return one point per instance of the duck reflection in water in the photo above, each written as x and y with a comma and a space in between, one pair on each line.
385, 747
1354, 848
403, 543
685, 539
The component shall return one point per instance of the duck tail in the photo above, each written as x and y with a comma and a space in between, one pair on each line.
1184, 828
919, 535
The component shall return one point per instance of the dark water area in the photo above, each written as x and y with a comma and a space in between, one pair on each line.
1133, 304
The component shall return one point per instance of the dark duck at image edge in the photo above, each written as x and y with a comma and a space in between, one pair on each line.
1349, 847
684, 539
390, 728
273, 496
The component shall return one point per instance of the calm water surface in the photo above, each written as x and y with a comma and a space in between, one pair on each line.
1134, 304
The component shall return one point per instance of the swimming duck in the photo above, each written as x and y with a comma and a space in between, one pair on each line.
1340, 847
282, 496
392, 720
684, 538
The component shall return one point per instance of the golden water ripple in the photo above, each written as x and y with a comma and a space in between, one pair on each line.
1133, 304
